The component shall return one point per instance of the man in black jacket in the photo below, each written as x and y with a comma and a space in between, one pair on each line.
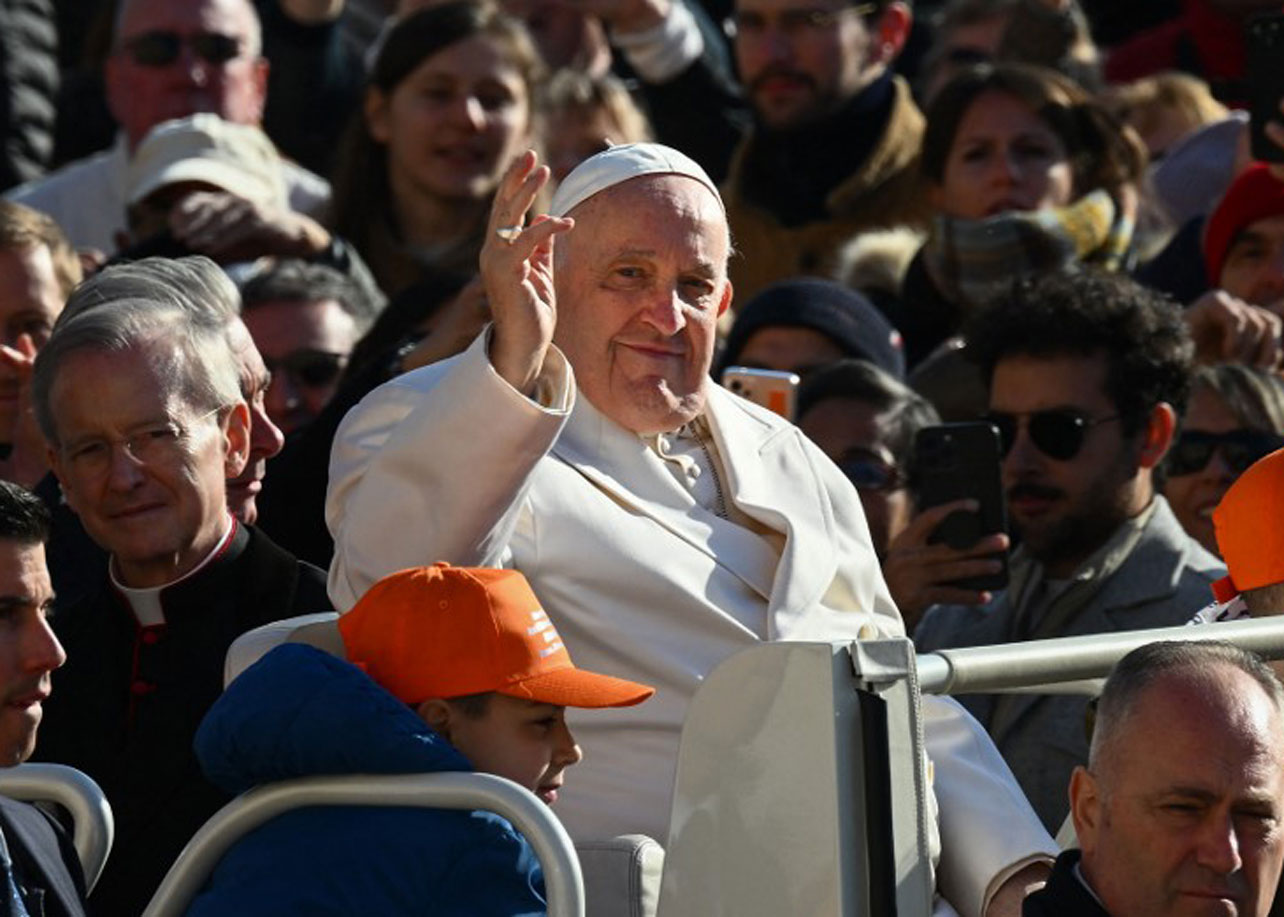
1180, 809
37, 862
146, 422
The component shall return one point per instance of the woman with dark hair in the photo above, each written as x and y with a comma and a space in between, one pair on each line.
449, 104
1026, 173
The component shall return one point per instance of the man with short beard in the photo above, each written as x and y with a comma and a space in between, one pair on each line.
1088, 374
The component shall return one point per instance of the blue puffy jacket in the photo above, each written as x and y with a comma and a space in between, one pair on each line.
302, 712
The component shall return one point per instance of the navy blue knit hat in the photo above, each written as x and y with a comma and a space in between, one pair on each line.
841, 314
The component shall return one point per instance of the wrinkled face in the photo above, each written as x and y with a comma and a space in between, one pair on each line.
142, 96
852, 434
801, 60
143, 469
640, 282
30, 302
527, 742
1194, 496
456, 122
266, 438
1187, 819
1004, 157
788, 349
28, 649
1254, 265
1066, 508
305, 345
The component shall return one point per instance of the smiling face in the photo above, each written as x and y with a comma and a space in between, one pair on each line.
159, 516
641, 281
1003, 157
1186, 816
1194, 496
454, 124
29, 651
523, 740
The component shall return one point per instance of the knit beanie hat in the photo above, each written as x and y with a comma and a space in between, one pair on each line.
841, 314
1255, 195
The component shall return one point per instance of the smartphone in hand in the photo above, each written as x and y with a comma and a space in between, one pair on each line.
774, 390
956, 461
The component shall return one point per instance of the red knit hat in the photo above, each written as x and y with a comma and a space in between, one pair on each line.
444, 631
1255, 195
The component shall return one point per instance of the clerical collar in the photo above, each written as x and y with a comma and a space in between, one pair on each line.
146, 603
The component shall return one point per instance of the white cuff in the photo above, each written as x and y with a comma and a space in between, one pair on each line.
660, 53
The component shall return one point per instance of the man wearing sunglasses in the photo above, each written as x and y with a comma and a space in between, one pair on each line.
305, 320
1087, 375
169, 59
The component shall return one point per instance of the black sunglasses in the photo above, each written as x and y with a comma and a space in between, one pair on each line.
1239, 448
309, 368
160, 48
871, 473
1057, 433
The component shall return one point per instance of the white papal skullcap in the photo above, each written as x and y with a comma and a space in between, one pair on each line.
616, 165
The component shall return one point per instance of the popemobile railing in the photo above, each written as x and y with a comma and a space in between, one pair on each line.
1067, 664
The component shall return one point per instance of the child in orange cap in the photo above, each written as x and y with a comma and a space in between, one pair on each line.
476, 656
443, 661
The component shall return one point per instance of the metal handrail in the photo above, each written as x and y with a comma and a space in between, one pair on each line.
93, 827
1009, 666
563, 883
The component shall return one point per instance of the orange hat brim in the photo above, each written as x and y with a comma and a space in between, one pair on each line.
577, 688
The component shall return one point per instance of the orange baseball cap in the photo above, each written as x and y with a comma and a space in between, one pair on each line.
1247, 523
444, 631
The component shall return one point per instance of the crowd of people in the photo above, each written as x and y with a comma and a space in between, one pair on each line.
416, 311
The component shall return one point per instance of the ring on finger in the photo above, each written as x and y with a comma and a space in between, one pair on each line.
509, 233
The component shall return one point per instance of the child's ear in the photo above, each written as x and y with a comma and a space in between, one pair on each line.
437, 714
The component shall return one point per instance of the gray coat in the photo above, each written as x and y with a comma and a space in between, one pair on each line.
1043, 737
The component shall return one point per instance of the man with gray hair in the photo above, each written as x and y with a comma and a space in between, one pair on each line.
1181, 807
197, 286
139, 400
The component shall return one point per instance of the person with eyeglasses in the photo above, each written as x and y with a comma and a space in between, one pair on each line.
1088, 373
168, 60
139, 399
305, 320
1235, 417
866, 421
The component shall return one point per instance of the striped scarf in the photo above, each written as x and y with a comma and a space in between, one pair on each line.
971, 260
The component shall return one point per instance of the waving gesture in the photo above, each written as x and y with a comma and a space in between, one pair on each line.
517, 271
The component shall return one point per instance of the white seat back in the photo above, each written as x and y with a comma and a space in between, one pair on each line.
252, 645
93, 827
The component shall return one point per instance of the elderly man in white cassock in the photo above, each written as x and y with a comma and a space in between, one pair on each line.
664, 522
